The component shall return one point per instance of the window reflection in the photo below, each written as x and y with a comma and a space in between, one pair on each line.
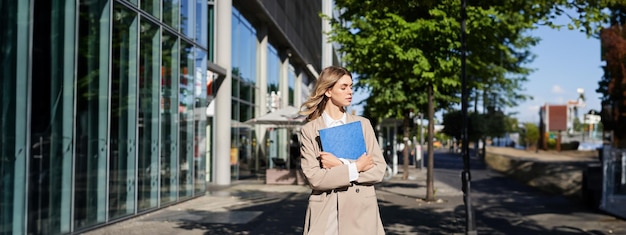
291, 82
185, 112
169, 110
91, 114
200, 124
153, 7
149, 81
123, 113
243, 90
187, 19
170, 13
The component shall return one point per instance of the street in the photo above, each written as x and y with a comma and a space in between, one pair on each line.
505, 206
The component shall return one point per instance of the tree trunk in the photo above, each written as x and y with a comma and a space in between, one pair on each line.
430, 187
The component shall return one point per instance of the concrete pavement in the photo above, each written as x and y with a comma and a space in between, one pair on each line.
252, 207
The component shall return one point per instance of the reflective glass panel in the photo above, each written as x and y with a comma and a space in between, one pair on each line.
201, 22
186, 114
244, 79
50, 168
200, 124
211, 30
273, 74
149, 81
187, 18
123, 142
92, 113
170, 13
13, 114
169, 124
291, 82
153, 7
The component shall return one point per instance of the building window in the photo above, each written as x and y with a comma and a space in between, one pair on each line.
123, 142
92, 113
169, 124
148, 123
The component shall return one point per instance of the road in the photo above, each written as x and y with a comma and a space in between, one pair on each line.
504, 206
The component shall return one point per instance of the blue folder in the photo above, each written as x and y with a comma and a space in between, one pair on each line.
344, 141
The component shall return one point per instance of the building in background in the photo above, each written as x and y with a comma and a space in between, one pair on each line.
113, 108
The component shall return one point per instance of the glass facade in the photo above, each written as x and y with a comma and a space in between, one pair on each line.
104, 109
149, 98
273, 76
13, 115
124, 120
244, 88
101, 110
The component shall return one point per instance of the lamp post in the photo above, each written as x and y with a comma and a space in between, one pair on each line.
470, 225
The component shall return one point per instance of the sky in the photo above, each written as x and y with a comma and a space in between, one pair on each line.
565, 61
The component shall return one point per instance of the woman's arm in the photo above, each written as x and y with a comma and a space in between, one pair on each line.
376, 173
319, 178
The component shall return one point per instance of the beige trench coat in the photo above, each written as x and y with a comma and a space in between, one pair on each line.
356, 203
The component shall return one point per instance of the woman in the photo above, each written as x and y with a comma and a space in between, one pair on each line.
343, 199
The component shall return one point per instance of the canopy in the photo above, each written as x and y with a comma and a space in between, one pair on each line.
285, 117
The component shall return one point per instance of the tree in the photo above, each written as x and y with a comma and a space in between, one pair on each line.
530, 135
407, 53
613, 84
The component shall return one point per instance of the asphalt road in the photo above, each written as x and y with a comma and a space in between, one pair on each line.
502, 205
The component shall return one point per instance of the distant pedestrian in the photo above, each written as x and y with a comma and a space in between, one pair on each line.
343, 198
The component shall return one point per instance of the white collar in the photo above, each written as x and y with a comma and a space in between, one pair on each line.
330, 122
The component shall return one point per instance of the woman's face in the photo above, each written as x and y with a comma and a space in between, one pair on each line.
341, 93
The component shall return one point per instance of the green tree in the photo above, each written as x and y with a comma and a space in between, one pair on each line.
530, 135
407, 53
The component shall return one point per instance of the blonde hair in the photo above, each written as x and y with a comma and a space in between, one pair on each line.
314, 106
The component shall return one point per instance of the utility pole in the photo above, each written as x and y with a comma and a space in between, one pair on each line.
470, 224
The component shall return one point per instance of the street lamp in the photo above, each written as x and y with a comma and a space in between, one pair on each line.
470, 225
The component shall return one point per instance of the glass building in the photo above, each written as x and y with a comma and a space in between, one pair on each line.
113, 108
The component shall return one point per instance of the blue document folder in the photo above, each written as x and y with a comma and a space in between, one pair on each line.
344, 141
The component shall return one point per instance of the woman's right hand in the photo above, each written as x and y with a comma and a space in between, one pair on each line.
328, 160
364, 163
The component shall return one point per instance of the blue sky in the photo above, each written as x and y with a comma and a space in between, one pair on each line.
565, 61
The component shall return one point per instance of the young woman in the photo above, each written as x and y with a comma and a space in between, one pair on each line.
343, 199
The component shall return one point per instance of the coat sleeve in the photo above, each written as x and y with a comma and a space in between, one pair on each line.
318, 177
375, 174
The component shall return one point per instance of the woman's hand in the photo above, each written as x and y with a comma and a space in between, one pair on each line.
328, 160
365, 162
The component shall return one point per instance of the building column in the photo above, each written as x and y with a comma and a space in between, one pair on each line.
297, 90
283, 79
223, 103
327, 48
261, 96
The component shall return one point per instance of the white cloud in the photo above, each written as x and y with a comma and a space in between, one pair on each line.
557, 89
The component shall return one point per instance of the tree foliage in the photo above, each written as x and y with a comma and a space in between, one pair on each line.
530, 135
407, 54
613, 83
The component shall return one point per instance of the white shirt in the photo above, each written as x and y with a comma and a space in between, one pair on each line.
330, 122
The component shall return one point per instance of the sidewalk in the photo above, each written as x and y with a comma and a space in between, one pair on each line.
249, 205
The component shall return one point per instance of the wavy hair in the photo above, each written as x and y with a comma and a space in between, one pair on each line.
314, 106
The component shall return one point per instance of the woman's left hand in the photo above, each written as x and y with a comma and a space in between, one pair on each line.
328, 160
